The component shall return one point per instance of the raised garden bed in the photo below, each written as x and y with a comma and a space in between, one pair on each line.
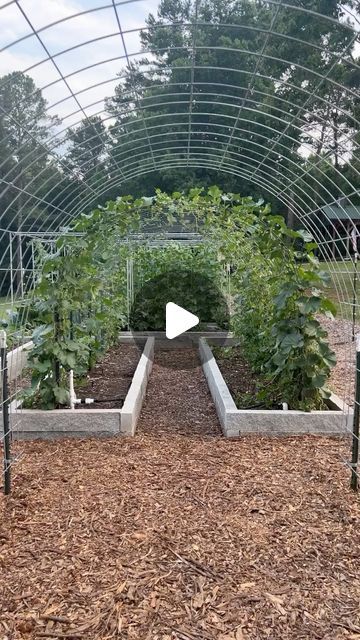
336, 421
190, 339
29, 424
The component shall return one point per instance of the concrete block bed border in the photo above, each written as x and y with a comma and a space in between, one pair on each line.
239, 422
188, 339
31, 424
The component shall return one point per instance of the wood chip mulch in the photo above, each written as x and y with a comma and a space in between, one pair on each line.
342, 379
179, 534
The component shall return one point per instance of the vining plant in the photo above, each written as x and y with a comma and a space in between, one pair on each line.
276, 290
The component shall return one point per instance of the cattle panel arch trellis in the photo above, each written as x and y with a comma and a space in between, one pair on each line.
180, 138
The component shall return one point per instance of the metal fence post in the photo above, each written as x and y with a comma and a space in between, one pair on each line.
354, 302
5, 413
355, 441
11, 272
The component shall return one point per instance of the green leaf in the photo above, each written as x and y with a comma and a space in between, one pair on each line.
214, 192
309, 246
71, 345
329, 307
311, 328
281, 299
305, 235
42, 367
62, 395
40, 332
319, 380
279, 359
309, 304
293, 340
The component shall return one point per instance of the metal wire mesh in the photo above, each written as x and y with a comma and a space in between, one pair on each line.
190, 120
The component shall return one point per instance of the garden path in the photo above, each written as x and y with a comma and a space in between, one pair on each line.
178, 399
178, 533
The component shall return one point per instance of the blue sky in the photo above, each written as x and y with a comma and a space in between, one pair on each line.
70, 33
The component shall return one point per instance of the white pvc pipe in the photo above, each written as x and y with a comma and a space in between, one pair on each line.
72, 390
357, 338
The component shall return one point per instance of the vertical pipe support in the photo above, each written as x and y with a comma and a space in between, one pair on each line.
33, 264
355, 440
5, 413
11, 271
21, 264
128, 292
354, 303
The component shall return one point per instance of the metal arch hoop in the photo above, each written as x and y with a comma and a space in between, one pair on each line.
231, 159
180, 140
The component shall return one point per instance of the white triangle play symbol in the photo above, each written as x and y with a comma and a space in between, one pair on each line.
178, 320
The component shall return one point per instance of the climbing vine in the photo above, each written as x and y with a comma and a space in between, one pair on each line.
276, 290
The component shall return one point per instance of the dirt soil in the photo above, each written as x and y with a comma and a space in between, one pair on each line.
237, 373
110, 378
179, 534
242, 382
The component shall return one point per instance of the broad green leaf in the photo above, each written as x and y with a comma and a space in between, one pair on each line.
293, 340
319, 380
62, 395
309, 304
40, 332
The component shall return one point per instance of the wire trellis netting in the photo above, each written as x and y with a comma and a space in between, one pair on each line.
101, 98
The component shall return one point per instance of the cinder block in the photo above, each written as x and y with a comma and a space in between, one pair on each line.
135, 397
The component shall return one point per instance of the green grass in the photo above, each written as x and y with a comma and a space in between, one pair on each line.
341, 289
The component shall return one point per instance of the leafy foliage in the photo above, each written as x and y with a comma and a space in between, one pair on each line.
277, 286
276, 289
80, 302
193, 277
279, 294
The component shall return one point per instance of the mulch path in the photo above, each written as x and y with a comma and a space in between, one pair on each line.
178, 398
342, 379
110, 378
179, 534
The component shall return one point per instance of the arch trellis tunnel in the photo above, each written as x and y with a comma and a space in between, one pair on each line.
100, 98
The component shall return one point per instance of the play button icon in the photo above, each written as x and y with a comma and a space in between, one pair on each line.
178, 320
201, 309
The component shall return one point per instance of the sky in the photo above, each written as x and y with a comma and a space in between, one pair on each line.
98, 24
68, 34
